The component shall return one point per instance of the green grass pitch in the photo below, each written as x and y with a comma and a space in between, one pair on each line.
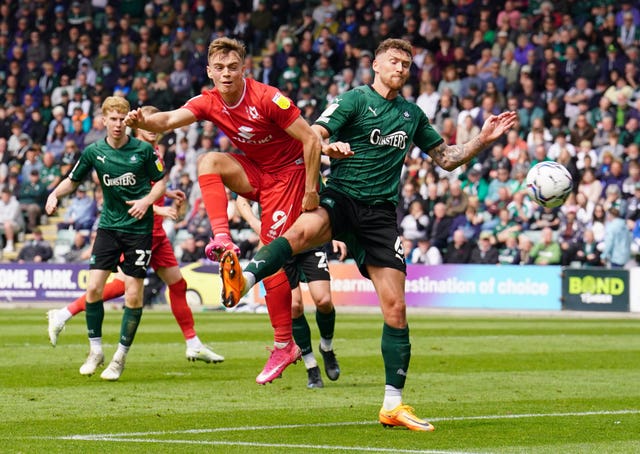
500, 384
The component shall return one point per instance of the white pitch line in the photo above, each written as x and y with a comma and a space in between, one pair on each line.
125, 437
348, 423
331, 448
540, 415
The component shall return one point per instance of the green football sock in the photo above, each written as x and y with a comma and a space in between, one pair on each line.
94, 314
302, 334
396, 354
326, 323
130, 322
269, 259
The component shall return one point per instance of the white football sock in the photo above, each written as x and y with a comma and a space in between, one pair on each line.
326, 344
121, 352
194, 343
249, 281
64, 315
392, 397
95, 343
309, 361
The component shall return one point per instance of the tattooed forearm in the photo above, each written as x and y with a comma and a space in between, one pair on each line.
450, 157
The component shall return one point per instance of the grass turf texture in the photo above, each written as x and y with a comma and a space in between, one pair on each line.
500, 384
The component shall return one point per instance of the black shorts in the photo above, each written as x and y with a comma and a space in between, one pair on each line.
131, 252
369, 231
308, 266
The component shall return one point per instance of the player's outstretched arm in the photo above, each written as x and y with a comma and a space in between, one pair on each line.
66, 187
450, 157
159, 121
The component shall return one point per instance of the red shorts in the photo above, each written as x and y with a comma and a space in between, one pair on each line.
162, 255
279, 195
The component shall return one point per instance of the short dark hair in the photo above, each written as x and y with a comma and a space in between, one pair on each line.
394, 43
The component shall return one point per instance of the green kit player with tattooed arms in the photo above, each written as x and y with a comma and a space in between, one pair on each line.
125, 167
370, 129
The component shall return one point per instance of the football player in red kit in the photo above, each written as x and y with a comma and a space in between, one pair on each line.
278, 168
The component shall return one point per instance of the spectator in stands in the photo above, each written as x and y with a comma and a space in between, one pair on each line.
459, 248
491, 164
416, 223
80, 250
585, 155
525, 245
11, 220
440, 225
32, 197
408, 195
606, 140
197, 224
630, 133
475, 184
590, 185
50, 171
424, 253
56, 142
161, 92
484, 252
544, 217
588, 253
546, 251
35, 250
466, 130
81, 212
613, 199
581, 131
570, 234
502, 179
32, 162
505, 227
538, 135
508, 253
457, 201
633, 202
617, 240
474, 218
192, 251
96, 132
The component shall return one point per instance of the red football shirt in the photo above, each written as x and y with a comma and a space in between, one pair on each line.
158, 220
255, 124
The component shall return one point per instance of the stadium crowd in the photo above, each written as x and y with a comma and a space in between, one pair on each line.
570, 70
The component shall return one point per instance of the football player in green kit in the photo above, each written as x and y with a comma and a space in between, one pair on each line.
125, 167
370, 128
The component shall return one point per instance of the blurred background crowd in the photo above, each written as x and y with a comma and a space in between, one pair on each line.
570, 70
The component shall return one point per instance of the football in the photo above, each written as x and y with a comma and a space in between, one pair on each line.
549, 184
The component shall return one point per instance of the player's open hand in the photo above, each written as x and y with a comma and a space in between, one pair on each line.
176, 194
138, 208
337, 150
497, 125
166, 212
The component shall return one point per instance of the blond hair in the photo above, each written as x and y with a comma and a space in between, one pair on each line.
117, 103
225, 46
